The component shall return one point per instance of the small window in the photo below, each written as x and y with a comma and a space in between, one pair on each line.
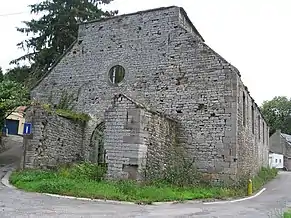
116, 74
244, 109
276, 160
279, 160
253, 120
263, 132
259, 127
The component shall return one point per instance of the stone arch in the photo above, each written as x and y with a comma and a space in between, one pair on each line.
98, 153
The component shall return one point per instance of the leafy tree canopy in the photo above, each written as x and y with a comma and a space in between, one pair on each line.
12, 95
1, 75
18, 74
277, 113
57, 28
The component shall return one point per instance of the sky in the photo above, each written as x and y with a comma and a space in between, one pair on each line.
253, 35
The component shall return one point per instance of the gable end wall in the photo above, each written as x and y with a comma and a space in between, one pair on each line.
169, 69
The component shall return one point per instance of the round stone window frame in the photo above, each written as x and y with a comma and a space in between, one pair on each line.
108, 74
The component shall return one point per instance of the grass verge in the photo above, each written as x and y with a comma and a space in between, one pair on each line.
287, 214
85, 180
265, 175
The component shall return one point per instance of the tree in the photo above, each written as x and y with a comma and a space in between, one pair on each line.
18, 74
57, 28
1, 75
12, 95
277, 113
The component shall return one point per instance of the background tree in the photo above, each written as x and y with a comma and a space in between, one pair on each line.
19, 74
12, 95
1, 75
277, 113
57, 28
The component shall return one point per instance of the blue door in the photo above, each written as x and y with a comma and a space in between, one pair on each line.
12, 126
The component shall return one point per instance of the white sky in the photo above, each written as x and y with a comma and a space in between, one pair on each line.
253, 35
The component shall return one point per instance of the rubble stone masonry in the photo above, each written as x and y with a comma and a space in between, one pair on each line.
168, 68
56, 140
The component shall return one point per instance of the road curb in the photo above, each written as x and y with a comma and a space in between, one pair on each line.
237, 200
5, 182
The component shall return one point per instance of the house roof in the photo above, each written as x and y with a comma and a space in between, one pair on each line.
287, 137
20, 109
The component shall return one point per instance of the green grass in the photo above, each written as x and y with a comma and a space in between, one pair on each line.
287, 214
85, 180
265, 175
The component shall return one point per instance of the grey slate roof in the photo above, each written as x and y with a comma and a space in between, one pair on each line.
287, 137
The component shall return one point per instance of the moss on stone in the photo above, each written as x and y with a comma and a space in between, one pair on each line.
47, 108
66, 113
72, 115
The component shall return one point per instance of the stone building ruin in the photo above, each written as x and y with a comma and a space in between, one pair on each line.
141, 77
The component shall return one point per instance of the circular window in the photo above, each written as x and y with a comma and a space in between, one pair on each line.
116, 74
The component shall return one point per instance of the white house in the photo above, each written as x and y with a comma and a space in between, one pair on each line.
276, 160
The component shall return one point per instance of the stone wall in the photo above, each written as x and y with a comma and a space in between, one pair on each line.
137, 139
167, 67
55, 140
124, 140
253, 134
164, 152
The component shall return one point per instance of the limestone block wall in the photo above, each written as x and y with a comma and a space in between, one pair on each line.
124, 140
138, 142
253, 134
163, 148
55, 140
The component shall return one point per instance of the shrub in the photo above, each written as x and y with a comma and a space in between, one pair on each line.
66, 101
87, 171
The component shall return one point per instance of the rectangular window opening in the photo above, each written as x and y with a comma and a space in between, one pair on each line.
259, 128
263, 133
253, 120
244, 109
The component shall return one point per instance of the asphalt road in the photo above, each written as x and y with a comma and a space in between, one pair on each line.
15, 203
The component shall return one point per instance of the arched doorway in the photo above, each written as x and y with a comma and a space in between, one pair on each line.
98, 153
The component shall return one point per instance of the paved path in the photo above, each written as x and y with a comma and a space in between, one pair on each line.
15, 203
13, 150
